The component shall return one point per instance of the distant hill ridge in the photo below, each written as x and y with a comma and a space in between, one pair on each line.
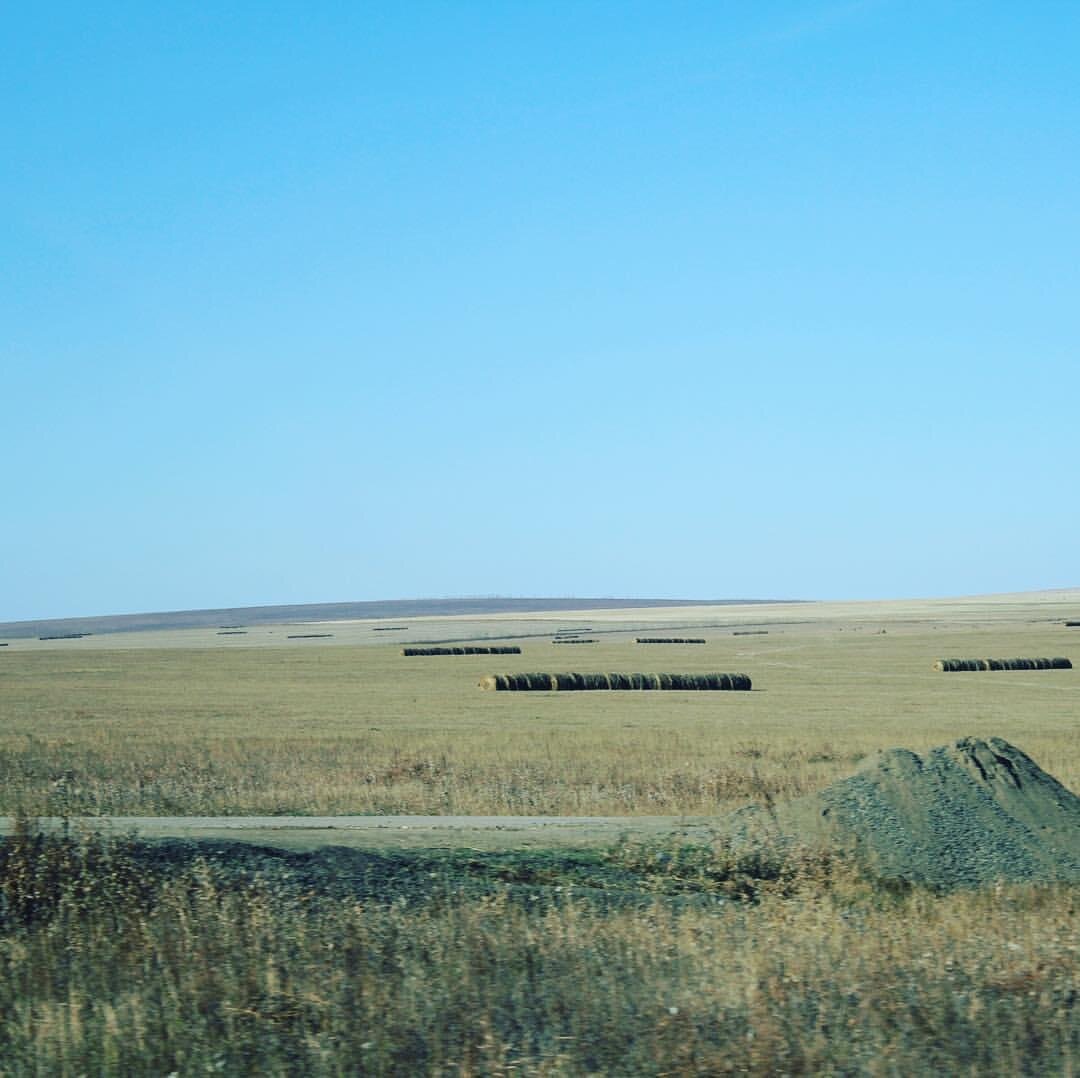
377, 609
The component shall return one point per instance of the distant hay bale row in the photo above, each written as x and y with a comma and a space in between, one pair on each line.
581, 682
65, 636
1073, 624
750, 632
469, 650
307, 636
389, 628
573, 640
954, 665
232, 632
669, 640
573, 632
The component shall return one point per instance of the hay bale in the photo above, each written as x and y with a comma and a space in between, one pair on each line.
573, 640
1073, 624
573, 682
750, 632
955, 665
668, 640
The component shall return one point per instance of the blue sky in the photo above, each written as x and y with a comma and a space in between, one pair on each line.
340, 301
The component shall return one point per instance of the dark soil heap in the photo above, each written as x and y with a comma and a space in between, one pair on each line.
964, 815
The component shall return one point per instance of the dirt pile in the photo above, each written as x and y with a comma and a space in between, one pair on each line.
962, 815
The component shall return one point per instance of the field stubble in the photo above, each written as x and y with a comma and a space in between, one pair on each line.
112, 965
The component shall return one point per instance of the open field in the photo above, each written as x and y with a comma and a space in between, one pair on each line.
186, 723
424, 947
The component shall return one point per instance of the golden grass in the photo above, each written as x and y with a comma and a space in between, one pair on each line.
337, 729
113, 969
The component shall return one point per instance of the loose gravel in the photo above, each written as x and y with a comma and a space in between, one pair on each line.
963, 815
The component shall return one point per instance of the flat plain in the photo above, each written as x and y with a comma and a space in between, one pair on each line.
659, 951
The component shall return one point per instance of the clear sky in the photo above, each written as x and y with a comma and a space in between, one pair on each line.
314, 301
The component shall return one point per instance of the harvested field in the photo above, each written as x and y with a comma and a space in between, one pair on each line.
967, 814
669, 640
957, 665
636, 682
465, 649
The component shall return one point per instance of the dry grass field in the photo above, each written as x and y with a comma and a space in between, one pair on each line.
118, 957
206, 725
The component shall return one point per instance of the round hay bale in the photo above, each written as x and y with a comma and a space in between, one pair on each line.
1023, 663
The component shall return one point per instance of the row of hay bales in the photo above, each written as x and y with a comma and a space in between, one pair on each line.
953, 665
579, 682
668, 640
574, 640
468, 649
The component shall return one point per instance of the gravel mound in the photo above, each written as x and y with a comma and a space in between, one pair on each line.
963, 815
